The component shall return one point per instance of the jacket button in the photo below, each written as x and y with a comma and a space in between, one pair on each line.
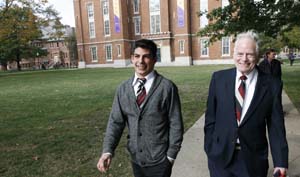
140, 134
141, 150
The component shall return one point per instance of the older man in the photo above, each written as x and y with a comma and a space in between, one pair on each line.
242, 103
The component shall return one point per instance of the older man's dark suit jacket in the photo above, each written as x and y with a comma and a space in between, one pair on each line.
221, 128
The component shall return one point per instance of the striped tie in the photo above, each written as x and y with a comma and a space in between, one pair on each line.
141, 92
240, 95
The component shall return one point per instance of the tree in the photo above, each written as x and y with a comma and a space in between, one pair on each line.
269, 17
292, 38
72, 46
270, 42
21, 22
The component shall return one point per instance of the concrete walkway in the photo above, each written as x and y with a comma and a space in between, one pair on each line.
192, 161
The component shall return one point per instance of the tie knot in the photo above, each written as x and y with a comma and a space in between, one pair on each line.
142, 81
243, 78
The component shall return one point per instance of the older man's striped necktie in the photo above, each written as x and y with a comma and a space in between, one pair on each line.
240, 96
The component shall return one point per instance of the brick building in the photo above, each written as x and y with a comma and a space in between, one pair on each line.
105, 30
58, 51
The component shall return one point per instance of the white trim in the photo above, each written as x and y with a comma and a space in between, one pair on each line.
207, 48
119, 51
203, 19
134, 7
91, 19
181, 46
92, 54
154, 13
105, 17
135, 19
225, 55
106, 53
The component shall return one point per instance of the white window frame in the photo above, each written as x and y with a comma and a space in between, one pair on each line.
204, 47
91, 19
105, 7
203, 18
155, 21
119, 50
108, 54
137, 25
136, 6
106, 20
226, 44
90, 10
92, 31
106, 25
181, 46
94, 53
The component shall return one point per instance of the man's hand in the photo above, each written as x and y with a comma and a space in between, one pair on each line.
104, 162
282, 171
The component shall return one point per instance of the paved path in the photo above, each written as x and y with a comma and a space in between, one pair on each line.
192, 161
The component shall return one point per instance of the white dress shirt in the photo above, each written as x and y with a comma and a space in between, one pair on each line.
250, 84
150, 78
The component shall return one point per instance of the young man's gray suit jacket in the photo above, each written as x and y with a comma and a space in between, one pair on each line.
155, 130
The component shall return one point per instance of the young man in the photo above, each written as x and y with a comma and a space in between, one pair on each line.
242, 102
270, 65
149, 105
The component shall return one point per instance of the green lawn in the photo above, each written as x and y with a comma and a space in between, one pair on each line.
52, 122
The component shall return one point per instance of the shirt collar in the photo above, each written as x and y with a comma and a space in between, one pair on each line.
148, 77
249, 76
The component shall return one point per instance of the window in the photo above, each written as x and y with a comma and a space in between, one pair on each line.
136, 6
92, 29
108, 52
105, 8
106, 28
203, 8
225, 46
204, 47
94, 54
154, 16
225, 3
158, 54
90, 11
119, 50
181, 46
106, 22
137, 25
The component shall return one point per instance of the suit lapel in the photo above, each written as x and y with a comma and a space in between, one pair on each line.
260, 91
230, 92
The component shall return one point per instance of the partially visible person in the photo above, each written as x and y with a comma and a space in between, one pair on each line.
291, 58
243, 104
149, 105
270, 65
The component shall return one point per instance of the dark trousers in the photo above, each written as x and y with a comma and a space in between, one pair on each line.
163, 169
237, 167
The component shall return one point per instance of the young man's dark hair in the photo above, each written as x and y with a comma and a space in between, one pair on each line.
269, 51
145, 44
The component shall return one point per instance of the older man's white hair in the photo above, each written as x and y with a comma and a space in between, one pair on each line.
249, 35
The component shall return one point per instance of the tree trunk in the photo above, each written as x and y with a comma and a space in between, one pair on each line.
3, 67
18, 62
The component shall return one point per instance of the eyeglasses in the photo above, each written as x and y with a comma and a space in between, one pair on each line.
249, 56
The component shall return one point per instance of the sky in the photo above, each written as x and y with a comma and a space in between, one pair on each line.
66, 11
